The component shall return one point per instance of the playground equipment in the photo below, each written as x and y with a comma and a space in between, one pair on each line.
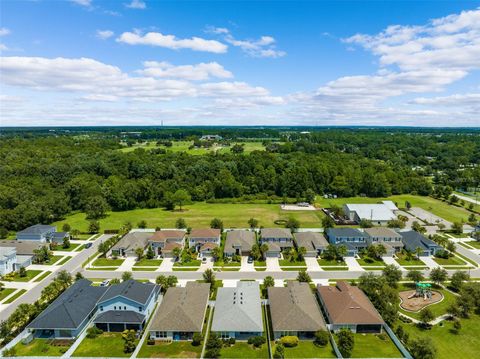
422, 290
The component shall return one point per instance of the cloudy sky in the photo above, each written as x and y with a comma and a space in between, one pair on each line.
138, 62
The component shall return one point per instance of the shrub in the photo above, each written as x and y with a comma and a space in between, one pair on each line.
289, 341
93, 332
152, 341
231, 341
197, 339
279, 351
257, 341
382, 336
321, 338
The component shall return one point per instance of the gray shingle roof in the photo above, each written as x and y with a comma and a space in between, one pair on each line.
130, 289
37, 229
133, 240
23, 247
238, 309
182, 309
239, 238
71, 308
345, 232
294, 308
311, 241
414, 240
276, 233
120, 316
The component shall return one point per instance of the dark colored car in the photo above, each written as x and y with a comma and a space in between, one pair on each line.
88, 245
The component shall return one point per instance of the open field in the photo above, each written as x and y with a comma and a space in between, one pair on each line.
179, 349
199, 215
183, 146
437, 207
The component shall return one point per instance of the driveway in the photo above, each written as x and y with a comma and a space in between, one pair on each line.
429, 262
390, 260
127, 264
312, 264
273, 265
245, 266
166, 265
353, 264
208, 264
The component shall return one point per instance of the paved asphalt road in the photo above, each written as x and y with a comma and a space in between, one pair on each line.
72, 266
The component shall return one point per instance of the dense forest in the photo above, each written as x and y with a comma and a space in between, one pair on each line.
45, 174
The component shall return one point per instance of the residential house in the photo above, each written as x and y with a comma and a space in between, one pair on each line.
211, 138
127, 305
277, 239
181, 313
389, 238
8, 259
127, 246
347, 306
37, 232
26, 251
417, 243
206, 250
379, 214
239, 242
351, 238
58, 237
68, 315
163, 242
314, 242
294, 311
198, 237
238, 311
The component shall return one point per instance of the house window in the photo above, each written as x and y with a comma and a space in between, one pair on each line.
114, 308
124, 308
140, 309
161, 334
225, 335
101, 308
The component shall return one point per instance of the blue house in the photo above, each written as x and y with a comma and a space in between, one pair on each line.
414, 242
126, 306
37, 232
351, 238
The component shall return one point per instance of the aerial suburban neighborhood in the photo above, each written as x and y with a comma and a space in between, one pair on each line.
240, 179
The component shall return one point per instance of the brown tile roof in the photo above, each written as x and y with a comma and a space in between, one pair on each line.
182, 309
204, 233
294, 308
163, 236
346, 304
208, 245
170, 246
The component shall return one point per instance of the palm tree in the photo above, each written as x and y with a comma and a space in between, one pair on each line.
64, 279
127, 276
301, 251
268, 282
209, 276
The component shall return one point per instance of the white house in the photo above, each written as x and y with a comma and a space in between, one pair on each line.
8, 259
380, 214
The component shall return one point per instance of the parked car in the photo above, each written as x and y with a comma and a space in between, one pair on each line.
105, 283
250, 260
88, 245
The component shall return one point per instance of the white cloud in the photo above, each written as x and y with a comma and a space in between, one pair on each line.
136, 4
104, 34
86, 3
172, 42
4, 31
456, 100
3, 47
198, 72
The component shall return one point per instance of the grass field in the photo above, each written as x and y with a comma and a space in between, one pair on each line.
244, 350
148, 263
437, 207
5, 292
105, 345
449, 261
106, 262
15, 296
306, 349
371, 346
179, 349
199, 215
39, 348
450, 345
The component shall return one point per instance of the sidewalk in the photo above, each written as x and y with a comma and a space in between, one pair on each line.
429, 262
353, 264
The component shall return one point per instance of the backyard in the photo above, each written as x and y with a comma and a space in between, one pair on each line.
178, 349
306, 349
373, 346
41, 347
244, 350
105, 345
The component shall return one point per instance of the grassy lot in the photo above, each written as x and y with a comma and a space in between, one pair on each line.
437, 207
326, 262
16, 277
244, 350
449, 345
53, 260
306, 349
106, 262
363, 261
371, 346
43, 276
72, 247
191, 263
15, 296
105, 345
449, 261
402, 260
64, 260
40, 347
6, 292
180, 349
148, 263
437, 309
199, 215
289, 263
474, 244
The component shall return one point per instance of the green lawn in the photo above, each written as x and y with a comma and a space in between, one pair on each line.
333, 269
40, 347
63, 261
437, 207
16, 277
72, 247
260, 263
371, 346
42, 277
450, 345
148, 263
326, 262
191, 263
199, 215
449, 261
221, 263
288, 263
15, 296
306, 349
402, 260
179, 349
244, 350
105, 345
6, 292
53, 260
474, 244
371, 262
106, 262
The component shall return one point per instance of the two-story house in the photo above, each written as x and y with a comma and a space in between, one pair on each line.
239, 242
37, 232
417, 243
8, 260
163, 242
277, 240
204, 240
391, 240
353, 239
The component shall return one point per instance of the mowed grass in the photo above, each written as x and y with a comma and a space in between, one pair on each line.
148, 263
179, 349
199, 215
39, 348
450, 345
105, 345
5, 292
450, 261
183, 146
30, 274
105, 262
14, 297
371, 346
306, 349
244, 350
474, 244
437, 207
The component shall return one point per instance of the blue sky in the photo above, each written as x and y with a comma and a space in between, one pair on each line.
134, 62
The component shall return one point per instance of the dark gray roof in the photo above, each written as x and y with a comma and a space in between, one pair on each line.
275, 233
60, 235
132, 241
239, 238
37, 229
23, 247
311, 241
71, 308
345, 232
414, 240
131, 289
120, 316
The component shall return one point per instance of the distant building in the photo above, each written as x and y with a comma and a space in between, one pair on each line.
25, 251
379, 214
417, 243
351, 238
37, 232
387, 237
8, 260
348, 307
211, 138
